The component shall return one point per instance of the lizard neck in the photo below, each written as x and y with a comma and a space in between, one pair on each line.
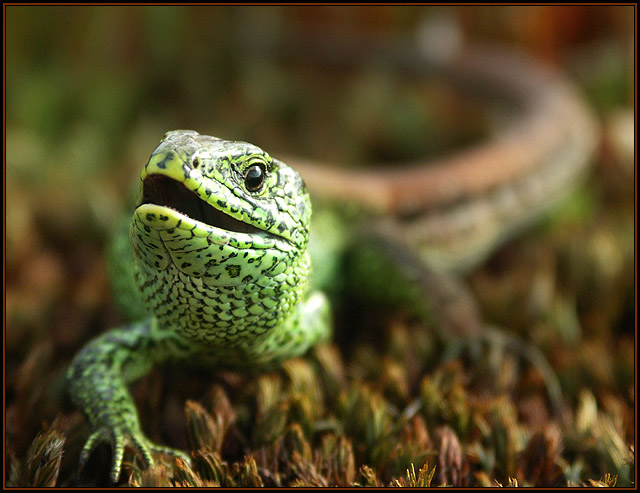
215, 315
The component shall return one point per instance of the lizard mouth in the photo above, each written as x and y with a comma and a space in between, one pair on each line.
167, 192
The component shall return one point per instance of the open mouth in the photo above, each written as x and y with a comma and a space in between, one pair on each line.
162, 190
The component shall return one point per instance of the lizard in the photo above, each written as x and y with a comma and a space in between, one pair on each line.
219, 253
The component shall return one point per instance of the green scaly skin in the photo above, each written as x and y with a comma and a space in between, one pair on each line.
220, 239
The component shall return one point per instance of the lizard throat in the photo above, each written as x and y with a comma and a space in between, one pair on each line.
167, 192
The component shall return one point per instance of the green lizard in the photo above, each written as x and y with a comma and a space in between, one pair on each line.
220, 234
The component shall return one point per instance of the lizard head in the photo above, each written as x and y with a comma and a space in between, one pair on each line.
218, 221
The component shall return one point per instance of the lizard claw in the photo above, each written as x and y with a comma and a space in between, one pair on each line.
118, 440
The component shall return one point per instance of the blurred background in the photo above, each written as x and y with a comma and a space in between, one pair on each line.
91, 90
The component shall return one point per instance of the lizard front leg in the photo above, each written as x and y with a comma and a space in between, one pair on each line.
98, 379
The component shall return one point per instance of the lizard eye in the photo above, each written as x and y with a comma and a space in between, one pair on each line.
254, 177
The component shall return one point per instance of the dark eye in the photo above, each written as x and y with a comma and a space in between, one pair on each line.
254, 178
